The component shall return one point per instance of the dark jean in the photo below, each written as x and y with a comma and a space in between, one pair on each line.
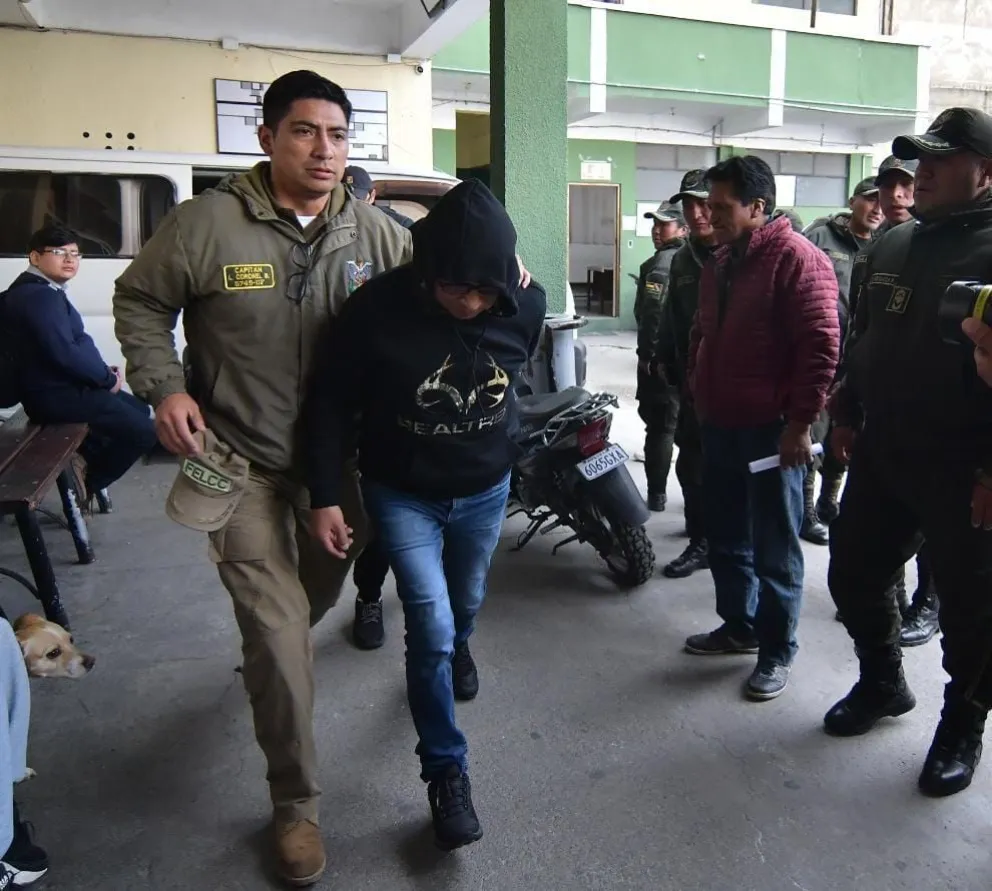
439, 552
752, 522
121, 428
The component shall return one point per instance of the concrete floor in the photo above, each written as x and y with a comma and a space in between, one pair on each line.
603, 758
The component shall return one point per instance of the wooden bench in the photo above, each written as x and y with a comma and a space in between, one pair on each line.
32, 459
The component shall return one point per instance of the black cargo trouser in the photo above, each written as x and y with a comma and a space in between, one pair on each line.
658, 407
689, 469
830, 466
371, 569
891, 502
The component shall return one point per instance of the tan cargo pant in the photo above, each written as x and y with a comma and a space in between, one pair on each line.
282, 583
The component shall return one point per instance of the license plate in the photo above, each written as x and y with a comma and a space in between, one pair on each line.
609, 459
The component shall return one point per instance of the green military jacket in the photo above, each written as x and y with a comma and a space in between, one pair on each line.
237, 266
680, 308
652, 287
833, 236
916, 391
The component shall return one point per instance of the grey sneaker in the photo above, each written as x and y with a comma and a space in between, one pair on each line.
767, 681
720, 643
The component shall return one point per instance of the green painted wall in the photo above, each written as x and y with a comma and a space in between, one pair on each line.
841, 70
579, 27
444, 151
529, 124
658, 53
470, 51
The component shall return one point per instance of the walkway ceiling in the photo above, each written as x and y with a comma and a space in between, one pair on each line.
374, 27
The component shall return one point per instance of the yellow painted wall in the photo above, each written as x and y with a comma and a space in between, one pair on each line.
472, 139
54, 86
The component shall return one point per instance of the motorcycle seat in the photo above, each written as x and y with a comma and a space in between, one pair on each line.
539, 408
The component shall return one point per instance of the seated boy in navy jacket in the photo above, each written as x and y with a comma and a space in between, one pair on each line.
62, 378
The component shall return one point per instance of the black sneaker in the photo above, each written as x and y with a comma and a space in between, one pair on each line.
720, 643
24, 858
369, 632
692, 559
464, 675
767, 681
6, 877
455, 821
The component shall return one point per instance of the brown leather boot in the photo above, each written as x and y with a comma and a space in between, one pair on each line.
301, 852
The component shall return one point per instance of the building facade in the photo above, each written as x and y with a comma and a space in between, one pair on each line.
653, 92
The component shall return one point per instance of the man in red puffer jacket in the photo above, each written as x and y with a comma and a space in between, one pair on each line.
762, 355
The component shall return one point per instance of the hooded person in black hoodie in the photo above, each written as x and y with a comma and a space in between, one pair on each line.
418, 369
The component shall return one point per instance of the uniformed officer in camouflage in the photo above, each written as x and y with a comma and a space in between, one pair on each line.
840, 236
258, 267
673, 352
895, 184
916, 422
657, 398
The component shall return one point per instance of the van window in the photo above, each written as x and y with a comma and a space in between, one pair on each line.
94, 205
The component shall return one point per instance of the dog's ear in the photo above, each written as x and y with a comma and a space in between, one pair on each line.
26, 621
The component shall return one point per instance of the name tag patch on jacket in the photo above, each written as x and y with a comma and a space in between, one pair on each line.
839, 256
359, 272
249, 277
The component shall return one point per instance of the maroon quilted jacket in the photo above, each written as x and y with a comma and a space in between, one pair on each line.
766, 339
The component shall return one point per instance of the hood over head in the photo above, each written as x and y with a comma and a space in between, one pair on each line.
469, 239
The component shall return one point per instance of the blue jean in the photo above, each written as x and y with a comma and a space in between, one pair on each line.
439, 552
752, 523
15, 716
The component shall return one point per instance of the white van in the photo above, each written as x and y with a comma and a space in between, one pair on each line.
115, 199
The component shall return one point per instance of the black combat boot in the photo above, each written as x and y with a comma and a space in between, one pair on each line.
827, 507
881, 692
692, 559
920, 623
812, 529
956, 748
657, 501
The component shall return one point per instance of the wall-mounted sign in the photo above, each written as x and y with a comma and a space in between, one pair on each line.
599, 171
239, 114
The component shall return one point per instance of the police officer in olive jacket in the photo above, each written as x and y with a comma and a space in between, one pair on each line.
916, 422
259, 267
657, 398
840, 236
673, 350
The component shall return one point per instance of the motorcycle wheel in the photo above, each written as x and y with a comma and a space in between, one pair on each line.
632, 560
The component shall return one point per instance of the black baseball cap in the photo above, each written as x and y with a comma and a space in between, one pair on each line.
866, 188
693, 185
901, 168
666, 213
357, 179
953, 130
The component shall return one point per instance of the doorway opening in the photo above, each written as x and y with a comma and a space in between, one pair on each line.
594, 247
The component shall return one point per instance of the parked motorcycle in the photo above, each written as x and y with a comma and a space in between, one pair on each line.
571, 475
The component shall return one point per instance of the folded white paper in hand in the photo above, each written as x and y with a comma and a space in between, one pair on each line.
773, 461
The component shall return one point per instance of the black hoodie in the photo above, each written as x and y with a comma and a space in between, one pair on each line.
427, 395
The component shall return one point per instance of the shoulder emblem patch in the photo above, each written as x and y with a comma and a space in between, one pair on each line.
899, 300
249, 277
359, 272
